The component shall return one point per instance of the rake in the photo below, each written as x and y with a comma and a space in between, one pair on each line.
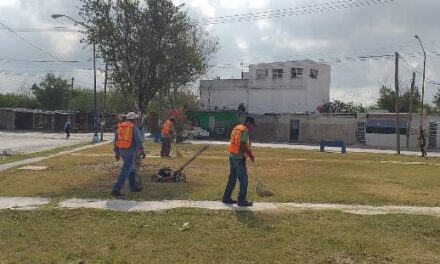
261, 188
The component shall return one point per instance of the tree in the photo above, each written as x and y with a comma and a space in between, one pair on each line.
117, 102
387, 100
436, 101
21, 98
52, 93
337, 106
10, 100
82, 100
151, 46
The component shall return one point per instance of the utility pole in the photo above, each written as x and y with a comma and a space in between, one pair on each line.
105, 99
396, 84
423, 81
411, 102
96, 115
95, 136
70, 101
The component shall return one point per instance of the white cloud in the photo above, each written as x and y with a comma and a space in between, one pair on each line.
299, 44
204, 7
258, 4
241, 44
8, 3
232, 4
364, 95
263, 24
65, 44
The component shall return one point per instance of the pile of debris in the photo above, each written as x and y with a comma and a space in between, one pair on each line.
6, 153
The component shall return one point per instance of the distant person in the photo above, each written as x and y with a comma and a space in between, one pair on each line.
129, 146
193, 124
422, 142
67, 128
167, 134
239, 150
241, 108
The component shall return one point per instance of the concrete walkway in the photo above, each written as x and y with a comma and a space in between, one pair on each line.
27, 203
22, 203
311, 147
13, 164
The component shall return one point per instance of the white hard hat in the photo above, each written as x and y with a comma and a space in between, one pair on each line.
131, 116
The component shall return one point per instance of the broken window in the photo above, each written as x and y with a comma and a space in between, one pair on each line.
313, 74
262, 73
277, 73
296, 72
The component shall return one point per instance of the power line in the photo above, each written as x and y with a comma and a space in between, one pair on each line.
428, 80
46, 29
323, 7
342, 59
288, 11
29, 42
3, 60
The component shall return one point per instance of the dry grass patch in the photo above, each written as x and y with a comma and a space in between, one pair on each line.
92, 236
293, 175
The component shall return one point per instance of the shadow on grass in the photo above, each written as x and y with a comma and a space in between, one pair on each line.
100, 182
246, 216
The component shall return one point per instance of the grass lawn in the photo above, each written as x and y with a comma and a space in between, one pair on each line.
92, 236
293, 175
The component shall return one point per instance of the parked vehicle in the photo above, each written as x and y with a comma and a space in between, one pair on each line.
195, 133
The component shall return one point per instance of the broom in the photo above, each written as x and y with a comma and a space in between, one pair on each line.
262, 189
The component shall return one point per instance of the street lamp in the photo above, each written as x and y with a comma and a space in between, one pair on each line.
423, 82
95, 119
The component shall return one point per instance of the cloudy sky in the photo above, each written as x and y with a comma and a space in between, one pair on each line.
373, 27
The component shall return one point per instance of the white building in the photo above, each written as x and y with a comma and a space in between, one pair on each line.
279, 87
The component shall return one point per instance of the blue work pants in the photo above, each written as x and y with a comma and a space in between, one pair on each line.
238, 171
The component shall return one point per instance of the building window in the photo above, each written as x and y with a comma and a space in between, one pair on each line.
262, 73
313, 74
296, 72
277, 73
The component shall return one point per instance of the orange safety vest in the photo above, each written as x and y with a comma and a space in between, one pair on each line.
125, 135
167, 126
234, 144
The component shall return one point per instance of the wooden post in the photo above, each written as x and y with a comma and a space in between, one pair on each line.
70, 101
396, 84
411, 101
105, 100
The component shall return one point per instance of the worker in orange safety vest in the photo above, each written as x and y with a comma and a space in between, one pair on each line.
239, 150
128, 144
167, 134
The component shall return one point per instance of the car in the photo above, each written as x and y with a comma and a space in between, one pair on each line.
195, 132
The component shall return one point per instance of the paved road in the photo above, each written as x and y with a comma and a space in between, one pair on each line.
311, 147
13, 164
28, 142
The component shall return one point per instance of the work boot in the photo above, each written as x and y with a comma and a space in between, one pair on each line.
117, 193
136, 190
229, 201
245, 203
